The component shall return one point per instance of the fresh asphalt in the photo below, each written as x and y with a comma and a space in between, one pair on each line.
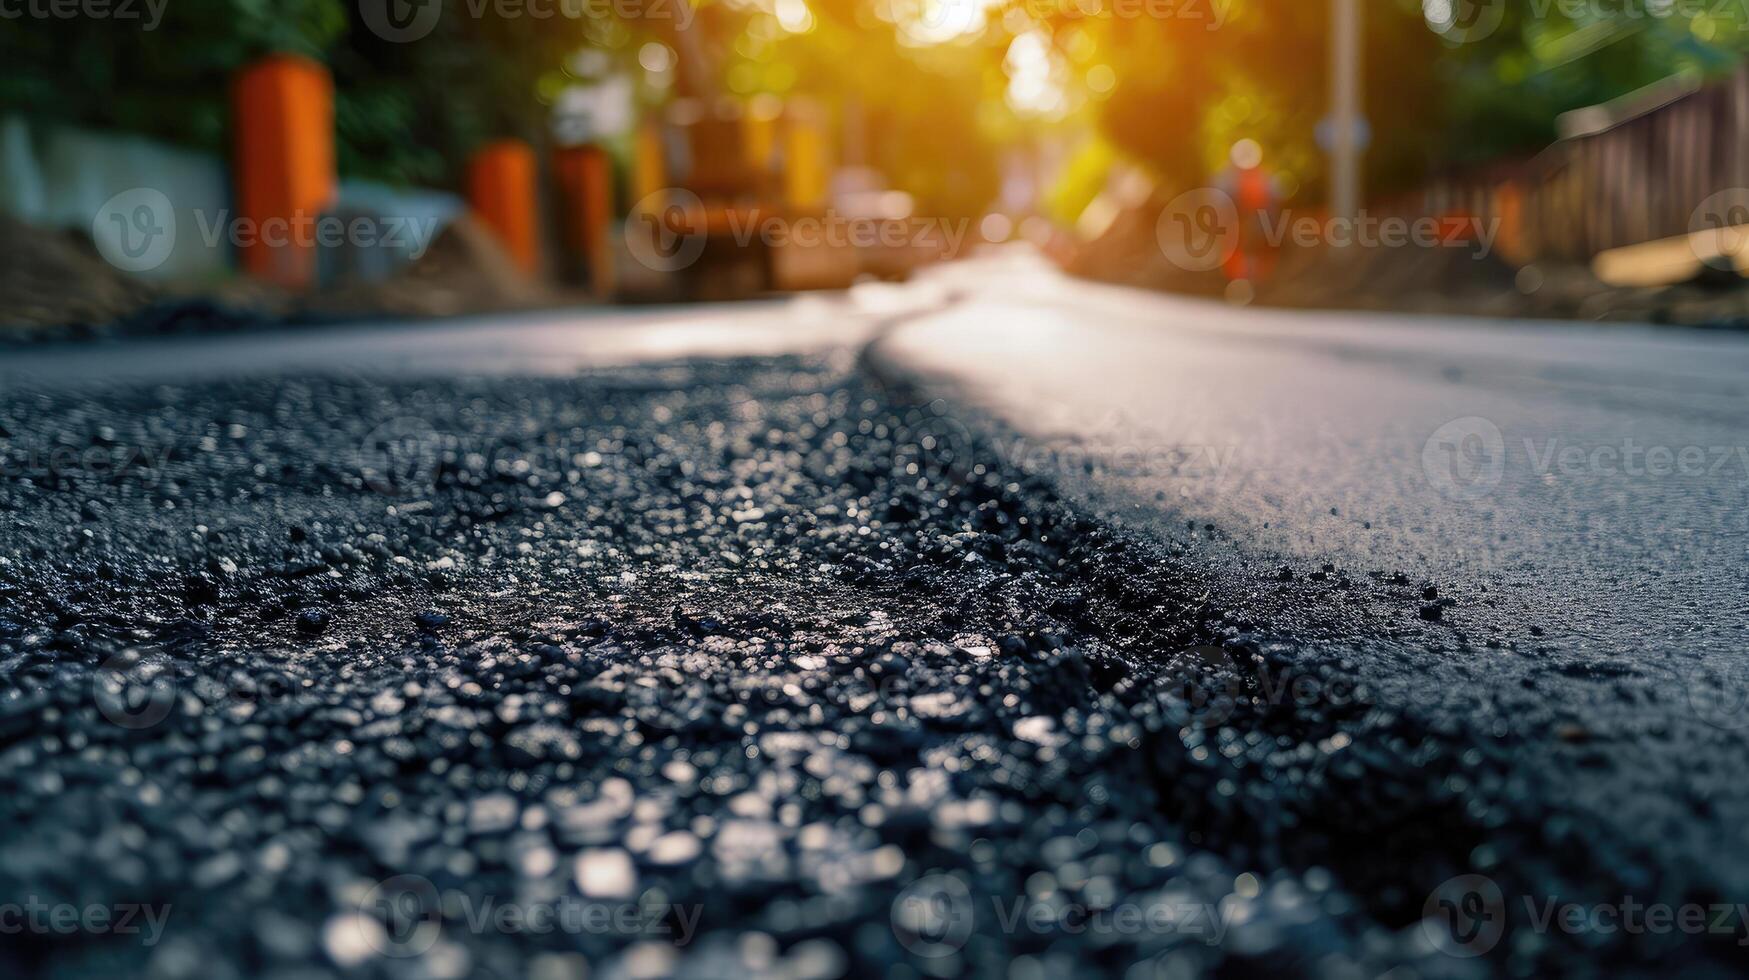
1463, 598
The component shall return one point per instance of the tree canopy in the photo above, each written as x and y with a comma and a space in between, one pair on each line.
943, 88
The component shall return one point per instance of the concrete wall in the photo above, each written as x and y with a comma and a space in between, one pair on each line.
58, 176
62, 177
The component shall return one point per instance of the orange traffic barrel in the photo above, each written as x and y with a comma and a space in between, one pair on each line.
584, 176
649, 161
716, 158
807, 170
283, 109
501, 192
761, 123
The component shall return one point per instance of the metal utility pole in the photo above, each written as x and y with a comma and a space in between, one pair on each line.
695, 73
1345, 118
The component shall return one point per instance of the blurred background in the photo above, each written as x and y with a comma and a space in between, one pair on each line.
177, 165
869, 531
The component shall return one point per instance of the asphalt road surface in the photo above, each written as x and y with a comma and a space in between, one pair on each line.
1577, 497
1060, 630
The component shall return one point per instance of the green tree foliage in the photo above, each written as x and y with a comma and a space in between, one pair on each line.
1192, 84
169, 81
1169, 83
928, 118
405, 112
1544, 57
1436, 100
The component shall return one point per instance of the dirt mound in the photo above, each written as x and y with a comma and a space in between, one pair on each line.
1128, 253
1448, 278
53, 278
54, 285
465, 270
1460, 278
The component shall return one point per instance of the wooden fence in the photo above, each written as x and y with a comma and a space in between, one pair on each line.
1630, 171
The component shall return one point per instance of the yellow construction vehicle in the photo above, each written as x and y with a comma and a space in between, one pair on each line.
731, 195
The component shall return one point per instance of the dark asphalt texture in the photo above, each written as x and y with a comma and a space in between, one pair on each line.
765, 662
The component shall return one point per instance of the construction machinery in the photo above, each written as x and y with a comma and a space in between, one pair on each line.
729, 196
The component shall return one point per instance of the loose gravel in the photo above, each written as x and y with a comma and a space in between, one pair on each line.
712, 669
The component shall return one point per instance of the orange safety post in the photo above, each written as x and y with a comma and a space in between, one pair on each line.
283, 109
1508, 208
762, 124
716, 153
501, 191
584, 175
808, 167
649, 162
